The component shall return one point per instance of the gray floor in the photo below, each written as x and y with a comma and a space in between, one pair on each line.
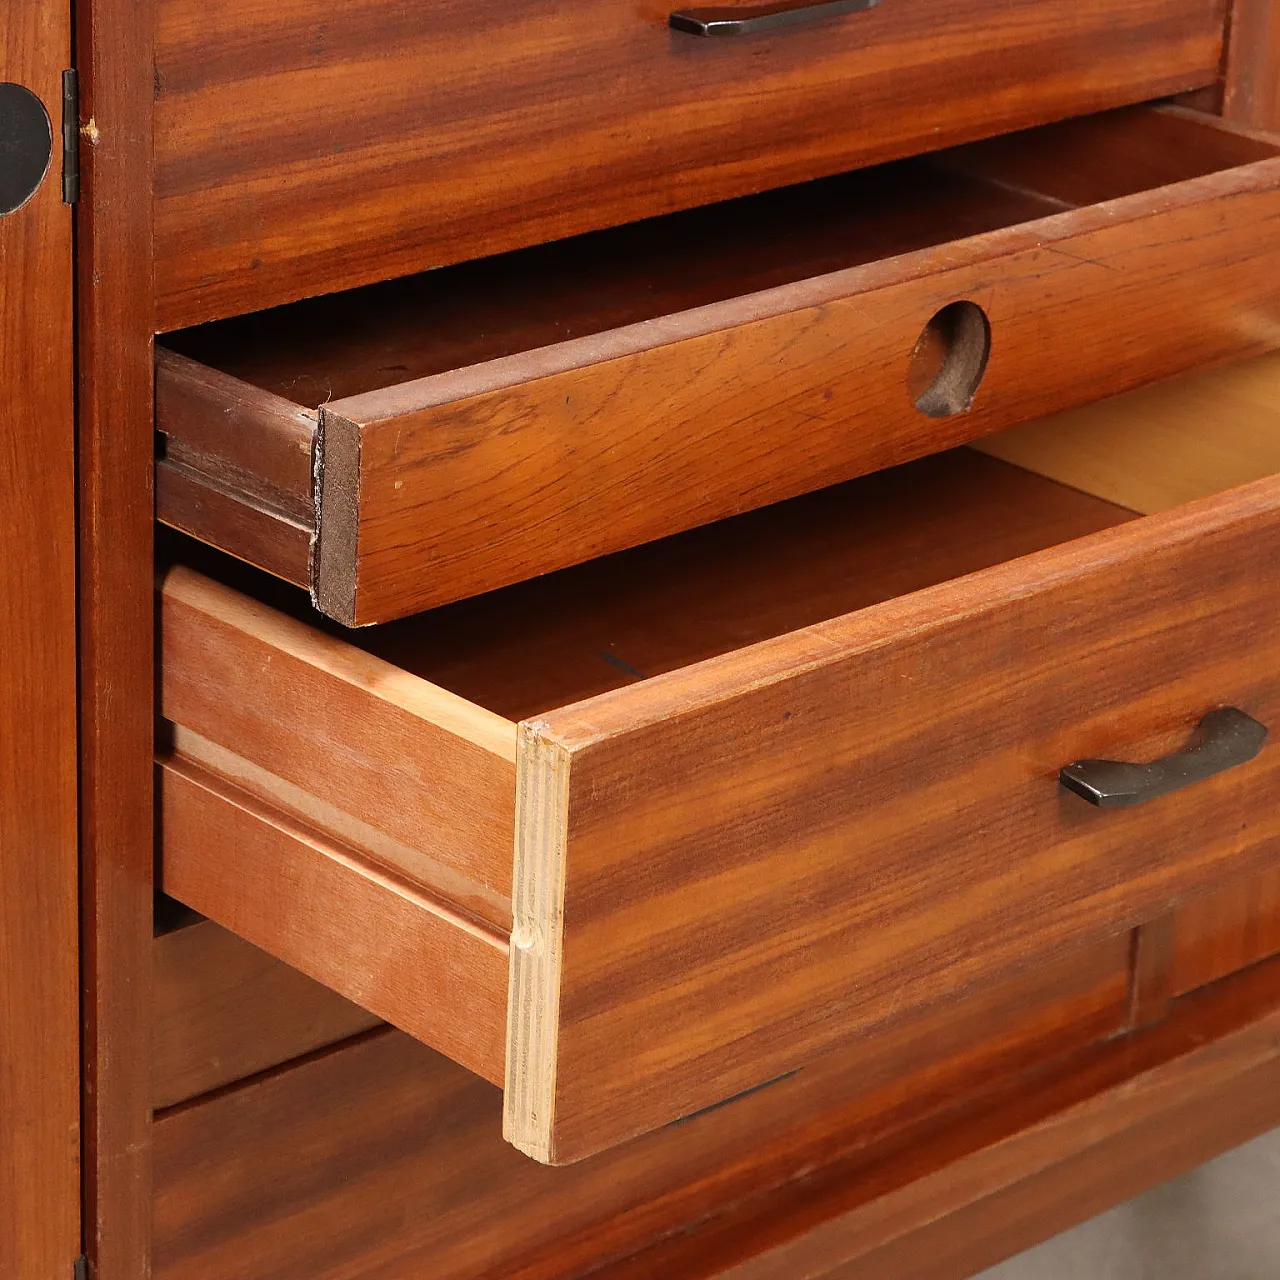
1219, 1222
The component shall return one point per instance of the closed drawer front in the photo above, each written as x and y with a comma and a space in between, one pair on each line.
406, 1174
301, 148
419, 442
770, 785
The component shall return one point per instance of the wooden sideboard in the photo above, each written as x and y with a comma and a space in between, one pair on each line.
910, 1062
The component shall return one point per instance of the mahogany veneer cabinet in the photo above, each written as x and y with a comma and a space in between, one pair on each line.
682, 606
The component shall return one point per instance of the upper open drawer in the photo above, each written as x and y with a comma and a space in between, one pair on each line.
417, 442
302, 146
642, 834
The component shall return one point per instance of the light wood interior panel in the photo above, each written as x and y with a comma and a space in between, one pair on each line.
1163, 445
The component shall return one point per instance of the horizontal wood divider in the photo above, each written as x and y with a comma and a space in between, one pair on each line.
358, 929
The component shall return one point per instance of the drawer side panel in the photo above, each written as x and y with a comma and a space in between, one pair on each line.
321, 908
346, 741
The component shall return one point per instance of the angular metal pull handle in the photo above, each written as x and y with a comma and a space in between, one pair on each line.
1225, 738
747, 20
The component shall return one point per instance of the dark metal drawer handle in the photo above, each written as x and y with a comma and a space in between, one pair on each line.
1225, 738
760, 17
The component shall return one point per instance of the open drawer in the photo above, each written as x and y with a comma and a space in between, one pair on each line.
421, 441
770, 784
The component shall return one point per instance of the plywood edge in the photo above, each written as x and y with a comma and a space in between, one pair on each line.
533, 1013
335, 574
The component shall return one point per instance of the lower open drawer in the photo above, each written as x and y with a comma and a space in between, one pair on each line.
770, 785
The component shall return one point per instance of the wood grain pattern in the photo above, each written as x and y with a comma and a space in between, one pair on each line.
1216, 933
300, 150
465, 478
39, 924
425, 779
225, 1010
116, 461
363, 932
410, 1175
1054, 1149
1252, 85
751, 847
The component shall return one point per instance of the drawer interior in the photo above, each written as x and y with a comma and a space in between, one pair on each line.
349, 344
400, 742
530, 648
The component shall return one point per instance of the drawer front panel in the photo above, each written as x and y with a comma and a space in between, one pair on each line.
1216, 933
724, 870
301, 149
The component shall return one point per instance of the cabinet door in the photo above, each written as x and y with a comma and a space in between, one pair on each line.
39, 922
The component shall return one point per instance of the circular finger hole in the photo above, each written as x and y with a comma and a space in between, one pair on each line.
26, 145
949, 359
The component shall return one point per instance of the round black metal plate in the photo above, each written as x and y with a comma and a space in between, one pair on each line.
26, 146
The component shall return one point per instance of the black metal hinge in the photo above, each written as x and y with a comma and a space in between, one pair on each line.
71, 159
80, 1268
